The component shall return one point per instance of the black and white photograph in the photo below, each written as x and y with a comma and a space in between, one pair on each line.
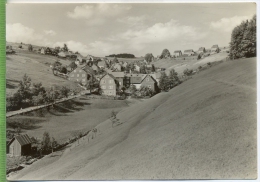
131, 91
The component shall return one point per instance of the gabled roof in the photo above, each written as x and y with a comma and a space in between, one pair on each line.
118, 74
108, 75
150, 76
189, 50
22, 139
177, 51
88, 69
215, 46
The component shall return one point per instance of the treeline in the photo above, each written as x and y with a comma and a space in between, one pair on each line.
243, 40
35, 94
123, 55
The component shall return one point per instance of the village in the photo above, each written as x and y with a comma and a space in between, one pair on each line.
135, 91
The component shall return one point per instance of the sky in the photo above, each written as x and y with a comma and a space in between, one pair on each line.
104, 29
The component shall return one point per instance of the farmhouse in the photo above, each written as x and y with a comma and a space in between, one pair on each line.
214, 49
189, 52
81, 74
150, 82
43, 49
201, 50
134, 79
108, 85
119, 76
177, 53
19, 145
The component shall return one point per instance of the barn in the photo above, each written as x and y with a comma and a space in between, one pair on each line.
19, 145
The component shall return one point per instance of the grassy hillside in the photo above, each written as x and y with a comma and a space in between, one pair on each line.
180, 65
203, 129
36, 66
81, 114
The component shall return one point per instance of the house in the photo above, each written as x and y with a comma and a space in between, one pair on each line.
20, 145
133, 79
177, 53
119, 76
137, 68
201, 50
108, 85
43, 49
81, 74
116, 67
80, 59
102, 64
150, 82
189, 52
214, 49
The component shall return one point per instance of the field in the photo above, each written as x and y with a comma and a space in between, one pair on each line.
180, 65
35, 65
204, 128
81, 114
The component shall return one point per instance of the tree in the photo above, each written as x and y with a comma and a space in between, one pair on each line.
188, 72
39, 99
65, 48
149, 57
46, 141
132, 90
153, 68
165, 54
164, 82
146, 91
24, 94
142, 69
173, 78
243, 40
54, 144
51, 95
64, 91
30, 48
18, 130
37, 88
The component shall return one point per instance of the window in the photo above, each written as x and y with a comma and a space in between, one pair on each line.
77, 80
110, 87
77, 75
119, 83
103, 87
75, 71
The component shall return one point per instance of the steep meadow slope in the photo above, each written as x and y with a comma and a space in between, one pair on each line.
204, 128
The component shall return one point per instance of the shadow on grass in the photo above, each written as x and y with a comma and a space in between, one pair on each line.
10, 86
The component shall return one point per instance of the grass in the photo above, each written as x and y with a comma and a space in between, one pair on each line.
81, 114
36, 66
204, 128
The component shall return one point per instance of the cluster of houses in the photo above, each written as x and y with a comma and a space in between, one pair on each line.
201, 51
112, 74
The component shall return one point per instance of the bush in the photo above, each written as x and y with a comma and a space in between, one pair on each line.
188, 72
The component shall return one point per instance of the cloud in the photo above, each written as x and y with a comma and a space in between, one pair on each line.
100, 10
133, 20
228, 24
171, 31
18, 32
50, 32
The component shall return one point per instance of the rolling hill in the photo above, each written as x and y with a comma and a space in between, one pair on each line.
204, 128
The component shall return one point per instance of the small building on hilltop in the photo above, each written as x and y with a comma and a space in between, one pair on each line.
214, 49
43, 49
108, 85
20, 145
189, 52
201, 50
177, 53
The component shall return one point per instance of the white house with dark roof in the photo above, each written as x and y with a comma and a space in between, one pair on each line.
19, 145
214, 49
177, 53
189, 52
